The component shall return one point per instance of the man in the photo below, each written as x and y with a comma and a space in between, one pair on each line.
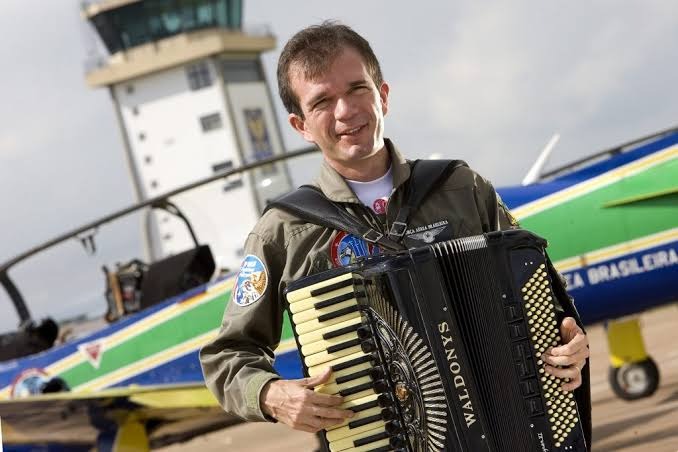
331, 84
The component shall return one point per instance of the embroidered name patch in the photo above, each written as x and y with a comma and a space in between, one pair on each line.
251, 282
428, 233
346, 248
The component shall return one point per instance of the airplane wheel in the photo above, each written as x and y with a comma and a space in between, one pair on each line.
635, 380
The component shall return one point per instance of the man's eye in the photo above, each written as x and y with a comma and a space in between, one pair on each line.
320, 105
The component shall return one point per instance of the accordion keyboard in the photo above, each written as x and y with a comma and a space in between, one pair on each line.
331, 333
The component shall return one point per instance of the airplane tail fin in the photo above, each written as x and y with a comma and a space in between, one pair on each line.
534, 174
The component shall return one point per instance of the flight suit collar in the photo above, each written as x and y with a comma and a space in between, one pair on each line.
334, 186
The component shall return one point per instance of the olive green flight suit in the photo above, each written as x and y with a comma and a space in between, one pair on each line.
238, 362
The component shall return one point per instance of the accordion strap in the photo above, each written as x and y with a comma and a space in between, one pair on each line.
425, 175
309, 203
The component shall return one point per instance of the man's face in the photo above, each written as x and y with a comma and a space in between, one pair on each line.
343, 111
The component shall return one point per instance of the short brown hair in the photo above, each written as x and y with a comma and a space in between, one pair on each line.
314, 48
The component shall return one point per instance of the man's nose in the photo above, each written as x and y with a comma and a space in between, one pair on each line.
344, 108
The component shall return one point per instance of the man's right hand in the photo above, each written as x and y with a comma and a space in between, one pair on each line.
295, 403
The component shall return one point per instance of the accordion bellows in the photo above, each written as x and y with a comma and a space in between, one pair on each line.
439, 348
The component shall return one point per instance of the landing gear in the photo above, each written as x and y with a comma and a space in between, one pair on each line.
633, 374
128, 435
634, 381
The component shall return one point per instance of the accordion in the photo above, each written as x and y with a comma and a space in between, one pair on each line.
439, 348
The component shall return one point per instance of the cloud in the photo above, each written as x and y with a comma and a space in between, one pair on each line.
9, 145
509, 75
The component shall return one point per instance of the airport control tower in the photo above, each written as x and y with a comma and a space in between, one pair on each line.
189, 92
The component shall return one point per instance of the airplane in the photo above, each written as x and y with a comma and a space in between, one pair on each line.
136, 380
611, 221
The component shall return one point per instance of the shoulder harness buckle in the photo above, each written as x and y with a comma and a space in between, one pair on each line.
372, 236
398, 229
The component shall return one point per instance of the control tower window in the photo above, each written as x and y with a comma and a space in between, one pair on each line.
210, 122
146, 21
198, 76
239, 71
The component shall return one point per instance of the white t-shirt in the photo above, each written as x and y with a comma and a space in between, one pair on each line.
374, 194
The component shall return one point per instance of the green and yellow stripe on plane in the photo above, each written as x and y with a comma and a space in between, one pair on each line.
590, 185
168, 334
588, 221
172, 331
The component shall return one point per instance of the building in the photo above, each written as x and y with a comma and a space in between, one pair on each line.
191, 98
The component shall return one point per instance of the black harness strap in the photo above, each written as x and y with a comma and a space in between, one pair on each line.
309, 203
424, 176
312, 205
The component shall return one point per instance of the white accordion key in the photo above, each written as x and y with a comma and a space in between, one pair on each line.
341, 364
300, 294
312, 314
334, 388
310, 302
325, 345
348, 432
323, 357
317, 335
363, 407
342, 374
381, 439
353, 404
316, 324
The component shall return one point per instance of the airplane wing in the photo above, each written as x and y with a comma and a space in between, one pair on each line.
149, 416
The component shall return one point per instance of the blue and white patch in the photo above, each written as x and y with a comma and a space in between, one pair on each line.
347, 248
251, 282
29, 382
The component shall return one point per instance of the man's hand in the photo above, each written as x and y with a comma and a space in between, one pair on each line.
571, 356
293, 402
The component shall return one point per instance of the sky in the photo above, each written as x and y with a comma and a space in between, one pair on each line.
488, 82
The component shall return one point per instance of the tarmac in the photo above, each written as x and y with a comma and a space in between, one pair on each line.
647, 425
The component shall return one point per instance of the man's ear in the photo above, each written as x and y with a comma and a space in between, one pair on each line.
299, 124
383, 96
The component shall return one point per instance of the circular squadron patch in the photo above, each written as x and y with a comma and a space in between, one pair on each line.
346, 248
29, 382
251, 281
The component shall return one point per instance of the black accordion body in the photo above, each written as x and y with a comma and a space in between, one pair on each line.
438, 348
